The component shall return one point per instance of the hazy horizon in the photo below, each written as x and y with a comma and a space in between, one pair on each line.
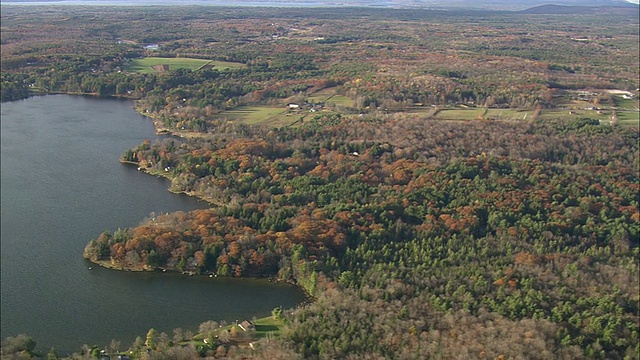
438, 4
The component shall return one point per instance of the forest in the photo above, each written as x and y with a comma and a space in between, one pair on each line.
442, 185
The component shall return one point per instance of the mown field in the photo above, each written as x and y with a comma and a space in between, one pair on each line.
329, 97
628, 111
281, 115
265, 115
151, 65
277, 116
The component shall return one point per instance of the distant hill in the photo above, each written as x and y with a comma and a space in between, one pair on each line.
536, 6
519, 5
563, 9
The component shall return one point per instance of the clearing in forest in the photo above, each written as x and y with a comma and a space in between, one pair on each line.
265, 115
328, 96
150, 65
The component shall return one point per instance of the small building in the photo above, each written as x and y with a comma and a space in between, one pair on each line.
247, 326
294, 106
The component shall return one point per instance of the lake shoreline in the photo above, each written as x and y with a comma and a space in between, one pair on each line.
49, 215
112, 265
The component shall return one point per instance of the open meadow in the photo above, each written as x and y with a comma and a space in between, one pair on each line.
150, 65
264, 115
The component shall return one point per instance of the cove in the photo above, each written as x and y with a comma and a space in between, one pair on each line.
62, 185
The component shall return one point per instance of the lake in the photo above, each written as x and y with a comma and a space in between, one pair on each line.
62, 185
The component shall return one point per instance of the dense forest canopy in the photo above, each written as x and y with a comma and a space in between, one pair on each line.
443, 185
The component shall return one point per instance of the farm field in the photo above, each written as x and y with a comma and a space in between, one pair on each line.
151, 65
628, 104
268, 326
340, 100
321, 95
629, 118
467, 114
264, 115
329, 96
626, 117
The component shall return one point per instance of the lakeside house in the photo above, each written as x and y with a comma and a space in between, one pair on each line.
247, 326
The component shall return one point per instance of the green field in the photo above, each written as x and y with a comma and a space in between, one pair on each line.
626, 117
268, 326
328, 96
460, 114
321, 96
473, 114
631, 118
577, 114
146, 65
626, 104
264, 326
340, 100
273, 116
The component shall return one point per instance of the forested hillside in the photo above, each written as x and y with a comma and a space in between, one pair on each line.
515, 222
443, 186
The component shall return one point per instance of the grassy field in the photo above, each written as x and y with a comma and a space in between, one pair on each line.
626, 104
264, 327
273, 116
474, 114
322, 95
577, 114
268, 326
460, 114
628, 111
626, 117
340, 100
146, 65
507, 114
631, 118
329, 96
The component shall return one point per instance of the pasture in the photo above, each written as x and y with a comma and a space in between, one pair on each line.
151, 65
466, 113
264, 115
328, 96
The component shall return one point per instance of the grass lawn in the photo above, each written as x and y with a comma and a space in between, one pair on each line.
322, 95
268, 326
578, 114
264, 326
629, 118
329, 96
508, 114
273, 116
340, 100
145, 65
626, 104
460, 114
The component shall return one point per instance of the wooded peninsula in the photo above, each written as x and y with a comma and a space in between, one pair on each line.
443, 184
